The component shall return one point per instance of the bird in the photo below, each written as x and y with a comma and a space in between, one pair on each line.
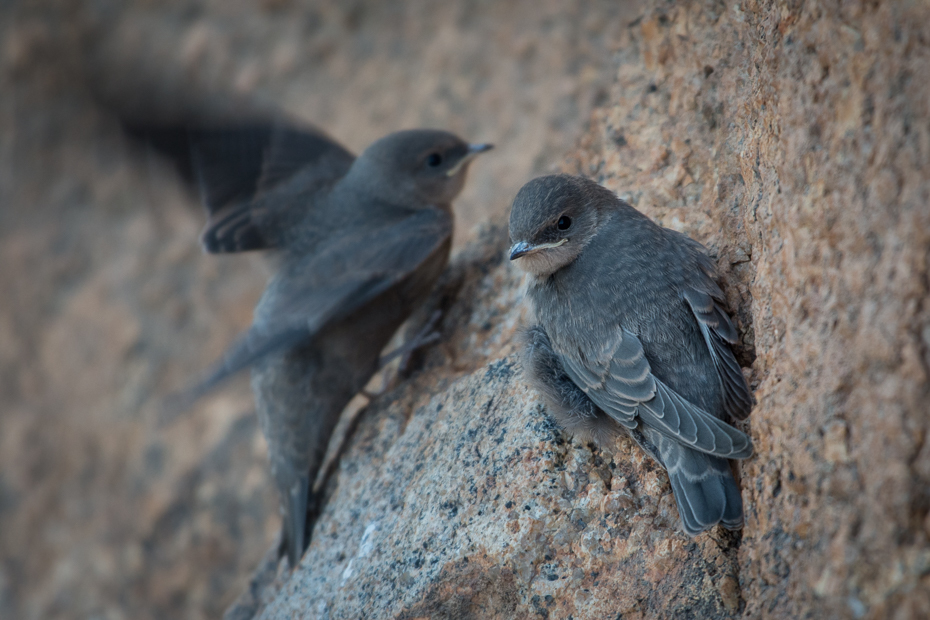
358, 242
631, 334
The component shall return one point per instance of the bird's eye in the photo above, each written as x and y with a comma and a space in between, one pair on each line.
564, 223
433, 160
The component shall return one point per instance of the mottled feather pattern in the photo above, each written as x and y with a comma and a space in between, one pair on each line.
625, 388
718, 331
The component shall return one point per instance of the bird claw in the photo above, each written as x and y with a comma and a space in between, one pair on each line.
428, 334
420, 342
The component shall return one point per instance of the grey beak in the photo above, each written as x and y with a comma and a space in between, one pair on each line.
519, 249
475, 149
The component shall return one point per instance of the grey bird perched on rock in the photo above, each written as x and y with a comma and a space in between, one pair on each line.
360, 243
632, 334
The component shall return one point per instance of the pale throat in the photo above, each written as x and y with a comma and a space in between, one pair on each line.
544, 263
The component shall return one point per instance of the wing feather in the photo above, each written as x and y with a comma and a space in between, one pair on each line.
719, 332
233, 164
625, 388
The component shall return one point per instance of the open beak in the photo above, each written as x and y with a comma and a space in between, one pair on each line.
473, 151
522, 248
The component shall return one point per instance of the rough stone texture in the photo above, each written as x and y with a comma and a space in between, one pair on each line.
458, 498
792, 140
108, 304
796, 142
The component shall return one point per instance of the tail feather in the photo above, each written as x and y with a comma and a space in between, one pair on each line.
704, 488
293, 528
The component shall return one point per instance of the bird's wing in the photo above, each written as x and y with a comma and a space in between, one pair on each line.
338, 279
234, 164
619, 379
719, 333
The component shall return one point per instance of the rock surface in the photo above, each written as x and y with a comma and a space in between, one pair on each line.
109, 304
794, 141
458, 498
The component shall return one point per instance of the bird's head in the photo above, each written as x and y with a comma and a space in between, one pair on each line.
423, 165
552, 219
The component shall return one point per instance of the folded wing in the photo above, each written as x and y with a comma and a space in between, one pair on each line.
619, 380
719, 333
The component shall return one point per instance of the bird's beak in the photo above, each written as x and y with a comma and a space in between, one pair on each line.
473, 151
522, 248
478, 149
519, 249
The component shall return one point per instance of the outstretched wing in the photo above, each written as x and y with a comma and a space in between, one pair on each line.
232, 165
619, 380
338, 278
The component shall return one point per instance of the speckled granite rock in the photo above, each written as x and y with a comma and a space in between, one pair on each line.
108, 304
795, 143
458, 498
792, 140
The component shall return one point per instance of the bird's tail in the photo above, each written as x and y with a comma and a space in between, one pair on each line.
704, 488
294, 519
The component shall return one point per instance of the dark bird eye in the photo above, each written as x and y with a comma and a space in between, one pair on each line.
434, 160
564, 223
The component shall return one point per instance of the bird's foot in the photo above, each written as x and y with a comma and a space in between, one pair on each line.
428, 334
